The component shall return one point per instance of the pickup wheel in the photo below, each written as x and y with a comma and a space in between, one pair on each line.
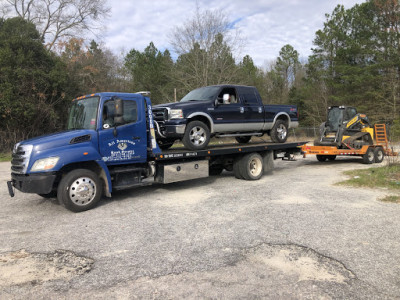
251, 166
197, 136
80, 190
243, 139
279, 132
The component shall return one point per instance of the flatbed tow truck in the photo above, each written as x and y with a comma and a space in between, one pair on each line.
97, 156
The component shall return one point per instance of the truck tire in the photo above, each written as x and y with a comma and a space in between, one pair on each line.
331, 157
268, 161
80, 190
236, 168
321, 158
243, 139
197, 136
379, 155
369, 156
279, 132
251, 166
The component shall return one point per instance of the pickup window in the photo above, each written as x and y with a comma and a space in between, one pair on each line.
233, 98
249, 96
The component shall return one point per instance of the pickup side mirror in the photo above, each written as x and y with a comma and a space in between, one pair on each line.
119, 111
226, 99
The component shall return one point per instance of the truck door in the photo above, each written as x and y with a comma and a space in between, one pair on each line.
228, 115
125, 142
252, 103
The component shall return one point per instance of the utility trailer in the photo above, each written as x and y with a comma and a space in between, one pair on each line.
98, 154
370, 153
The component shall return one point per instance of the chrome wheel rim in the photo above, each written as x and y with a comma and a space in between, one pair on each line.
197, 136
281, 130
255, 167
82, 191
371, 156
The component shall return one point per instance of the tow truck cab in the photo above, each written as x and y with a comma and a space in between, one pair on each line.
107, 133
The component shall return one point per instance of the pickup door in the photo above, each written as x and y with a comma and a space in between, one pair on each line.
243, 111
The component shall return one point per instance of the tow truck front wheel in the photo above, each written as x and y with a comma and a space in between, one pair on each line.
80, 190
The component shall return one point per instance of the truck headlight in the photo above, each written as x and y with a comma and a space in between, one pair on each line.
175, 114
45, 164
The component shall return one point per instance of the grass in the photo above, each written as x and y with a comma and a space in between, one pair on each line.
382, 177
5, 156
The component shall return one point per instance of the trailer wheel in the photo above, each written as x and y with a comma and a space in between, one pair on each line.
243, 139
80, 190
197, 136
369, 156
251, 166
379, 154
321, 158
279, 132
331, 157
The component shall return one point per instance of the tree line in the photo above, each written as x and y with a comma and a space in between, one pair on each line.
43, 65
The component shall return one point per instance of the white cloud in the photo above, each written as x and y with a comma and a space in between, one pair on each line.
266, 25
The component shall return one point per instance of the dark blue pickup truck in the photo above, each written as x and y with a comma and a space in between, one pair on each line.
222, 111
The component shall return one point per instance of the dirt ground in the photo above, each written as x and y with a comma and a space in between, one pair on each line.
291, 235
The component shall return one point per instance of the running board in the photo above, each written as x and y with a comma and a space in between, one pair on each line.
239, 134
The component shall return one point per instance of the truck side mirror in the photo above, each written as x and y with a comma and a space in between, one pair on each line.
118, 111
226, 99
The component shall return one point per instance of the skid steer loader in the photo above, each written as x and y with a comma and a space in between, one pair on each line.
345, 128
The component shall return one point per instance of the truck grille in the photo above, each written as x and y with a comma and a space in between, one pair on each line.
160, 114
20, 158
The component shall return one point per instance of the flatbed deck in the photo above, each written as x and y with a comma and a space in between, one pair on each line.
228, 149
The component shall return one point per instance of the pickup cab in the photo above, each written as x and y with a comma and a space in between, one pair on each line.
221, 111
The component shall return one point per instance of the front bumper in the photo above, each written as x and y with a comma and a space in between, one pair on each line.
33, 183
172, 128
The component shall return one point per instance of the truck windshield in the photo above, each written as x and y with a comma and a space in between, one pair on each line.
202, 94
83, 113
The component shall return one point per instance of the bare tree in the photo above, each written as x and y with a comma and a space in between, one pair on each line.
206, 44
57, 19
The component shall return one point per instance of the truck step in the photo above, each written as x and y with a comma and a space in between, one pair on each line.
239, 134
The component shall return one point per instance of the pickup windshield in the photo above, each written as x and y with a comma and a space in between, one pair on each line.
83, 113
202, 94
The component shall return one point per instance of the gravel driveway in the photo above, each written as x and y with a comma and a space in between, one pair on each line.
291, 235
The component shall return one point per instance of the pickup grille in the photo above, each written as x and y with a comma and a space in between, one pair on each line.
160, 114
20, 158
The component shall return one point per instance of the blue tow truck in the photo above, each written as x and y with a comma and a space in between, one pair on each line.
110, 144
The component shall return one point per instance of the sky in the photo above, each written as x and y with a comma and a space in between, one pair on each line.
264, 25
